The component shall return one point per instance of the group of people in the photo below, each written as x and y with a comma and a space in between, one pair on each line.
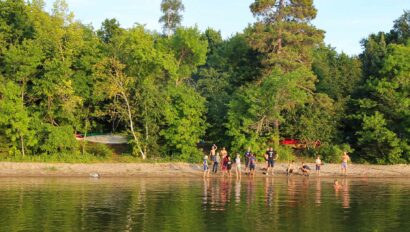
221, 158
305, 169
223, 161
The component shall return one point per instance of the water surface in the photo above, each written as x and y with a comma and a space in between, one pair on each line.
260, 204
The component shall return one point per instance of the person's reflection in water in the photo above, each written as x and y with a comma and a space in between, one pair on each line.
205, 193
346, 194
237, 191
216, 195
224, 191
269, 191
291, 191
249, 192
318, 197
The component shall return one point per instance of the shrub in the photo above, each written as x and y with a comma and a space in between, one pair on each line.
99, 150
332, 153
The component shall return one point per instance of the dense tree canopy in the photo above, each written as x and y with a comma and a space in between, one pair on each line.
169, 91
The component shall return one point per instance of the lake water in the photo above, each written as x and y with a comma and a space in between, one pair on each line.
261, 204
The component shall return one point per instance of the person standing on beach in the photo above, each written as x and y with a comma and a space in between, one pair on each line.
247, 157
272, 156
216, 163
212, 153
238, 166
318, 162
345, 159
252, 164
229, 165
224, 155
206, 167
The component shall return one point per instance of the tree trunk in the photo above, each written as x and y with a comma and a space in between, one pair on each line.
280, 19
22, 145
132, 125
84, 137
276, 135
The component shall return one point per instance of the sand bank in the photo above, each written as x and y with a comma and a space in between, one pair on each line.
15, 169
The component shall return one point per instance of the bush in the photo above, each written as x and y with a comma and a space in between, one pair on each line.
285, 154
332, 153
59, 139
99, 150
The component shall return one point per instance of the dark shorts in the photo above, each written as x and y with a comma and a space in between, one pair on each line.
271, 163
246, 162
317, 167
229, 166
251, 166
205, 167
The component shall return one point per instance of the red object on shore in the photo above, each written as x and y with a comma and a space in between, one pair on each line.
298, 144
289, 141
79, 136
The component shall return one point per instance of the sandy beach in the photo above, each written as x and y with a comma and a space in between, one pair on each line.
15, 169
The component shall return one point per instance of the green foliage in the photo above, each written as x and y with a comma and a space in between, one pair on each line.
283, 33
274, 80
14, 120
59, 139
286, 154
184, 122
99, 150
256, 111
330, 153
189, 50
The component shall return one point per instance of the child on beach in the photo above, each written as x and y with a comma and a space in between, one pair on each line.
205, 165
345, 159
318, 163
224, 164
238, 166
291, 168
229, 166
305, 169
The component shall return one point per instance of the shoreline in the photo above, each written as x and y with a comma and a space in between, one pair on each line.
185, 170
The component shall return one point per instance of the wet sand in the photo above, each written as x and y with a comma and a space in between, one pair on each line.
181, 170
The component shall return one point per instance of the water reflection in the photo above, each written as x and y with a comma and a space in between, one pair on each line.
273, 203
318, 193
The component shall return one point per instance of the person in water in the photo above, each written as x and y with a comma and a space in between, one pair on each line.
205, 166
345, 159
318, 163
271, 158
238, 166
336, 185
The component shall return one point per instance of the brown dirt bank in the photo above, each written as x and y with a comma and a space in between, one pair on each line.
15, 169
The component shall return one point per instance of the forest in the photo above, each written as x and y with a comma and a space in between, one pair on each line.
175, 91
